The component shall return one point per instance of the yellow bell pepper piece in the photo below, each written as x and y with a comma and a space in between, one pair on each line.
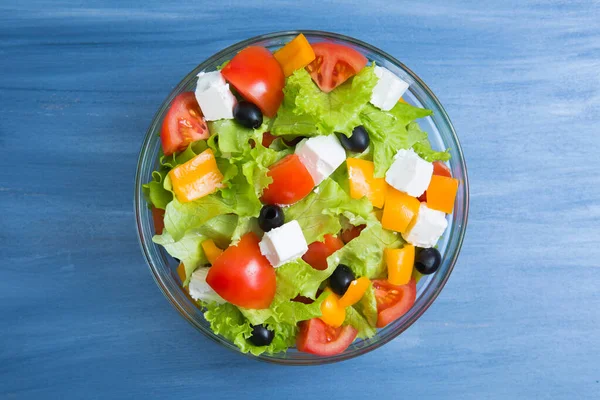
402, 101
362, 182
400, 263
196, 178
181, 272
295, 55
355, 292
332, 313
211, 251
399, 210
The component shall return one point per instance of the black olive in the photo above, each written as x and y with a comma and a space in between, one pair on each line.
427, 261
294, 141
341, 278
248, 114
271, 217
261, 336
358, 141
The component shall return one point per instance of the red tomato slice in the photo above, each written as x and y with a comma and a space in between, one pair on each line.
318, 338
158, 216
267, 139
183, 124
439, 168
350, 233
291, 181
317, 253
258, 77
243, 276
334, 64
393, 301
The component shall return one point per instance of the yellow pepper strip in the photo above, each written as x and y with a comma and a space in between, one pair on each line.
211, 251
355, 292
295, 55
400, 263
196, 178
399, 210
181, 272
362, 182
332, 313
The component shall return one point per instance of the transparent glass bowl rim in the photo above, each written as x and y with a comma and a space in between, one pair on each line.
383, 336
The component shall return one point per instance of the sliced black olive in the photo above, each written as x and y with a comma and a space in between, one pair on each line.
271, 217
247, 114
358, 141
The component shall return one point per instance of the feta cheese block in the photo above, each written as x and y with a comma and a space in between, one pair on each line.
321, 155
388, 90
214, 97
427, 228
200, 290
283, 244
409, 173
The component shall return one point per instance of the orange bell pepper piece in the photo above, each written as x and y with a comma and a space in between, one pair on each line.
400, 263
211, 251
441, 193
399, 210
295, 55
181, 272
196, 178
362, 182
332, 313
402, 101
355, 292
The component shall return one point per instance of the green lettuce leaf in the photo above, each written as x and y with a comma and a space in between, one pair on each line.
245, 225
367, 306
354, 318
155, 193
188, 249
181, 217
220, 229
423, 148
308, 111
235, 138
228, 321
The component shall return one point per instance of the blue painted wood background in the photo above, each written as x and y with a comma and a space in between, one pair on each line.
80, 316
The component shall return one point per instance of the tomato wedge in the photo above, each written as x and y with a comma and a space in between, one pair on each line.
318, 338
317, 253
393, 301
334, 64
258, 77
158, 216
291, 181
183, 124
439, 168
350, 233
243, 276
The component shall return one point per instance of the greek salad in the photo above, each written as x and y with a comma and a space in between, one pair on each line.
300, 196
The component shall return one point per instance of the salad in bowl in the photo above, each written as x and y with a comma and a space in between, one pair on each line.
299, 199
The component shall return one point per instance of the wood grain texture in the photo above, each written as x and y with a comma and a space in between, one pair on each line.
80, 316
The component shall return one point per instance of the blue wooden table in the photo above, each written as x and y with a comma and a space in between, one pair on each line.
80, 316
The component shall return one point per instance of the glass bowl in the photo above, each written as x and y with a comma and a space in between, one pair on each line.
441, 135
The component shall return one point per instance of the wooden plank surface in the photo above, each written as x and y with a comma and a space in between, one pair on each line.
80, 316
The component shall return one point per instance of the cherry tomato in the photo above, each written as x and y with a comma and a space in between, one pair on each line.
243, 276
258, 77
158, 216
439, 168
350, 233
183, 124
291, 181
393, 301
318, 338
334, 64
317, 253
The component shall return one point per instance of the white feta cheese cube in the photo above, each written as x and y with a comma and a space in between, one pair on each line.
321, 155
200, 290
409, 173
283, 244
388, 90
427, 228
214, 97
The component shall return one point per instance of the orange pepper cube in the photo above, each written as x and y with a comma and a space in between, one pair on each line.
400, 209
441, 193
295, 55
362, 182
211, 251
196, 178
400, 263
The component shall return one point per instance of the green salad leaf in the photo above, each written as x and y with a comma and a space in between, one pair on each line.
355, 319
422, 146
308, 111
181, 217
188, 249
220, 229
155, 193
367, 306
228, 321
